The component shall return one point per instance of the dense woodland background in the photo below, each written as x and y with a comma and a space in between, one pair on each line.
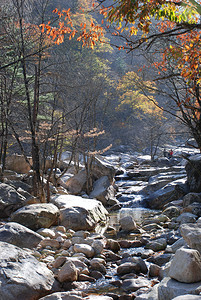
69, 97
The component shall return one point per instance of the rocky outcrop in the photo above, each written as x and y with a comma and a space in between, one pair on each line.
22, 276
36, 216
78, 213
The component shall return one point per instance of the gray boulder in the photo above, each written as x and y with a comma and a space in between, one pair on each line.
193, 168
191, 198
188, 297
75, 184
102, 167
168, 193
22, 276
19, 235
102, 190
186, 266
169, 288
192, 235
78, 213
10, 200
36, 216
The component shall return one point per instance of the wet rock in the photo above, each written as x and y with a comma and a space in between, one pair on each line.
111, 256
36, 216
64, 296
96, 274
152, 227
98, 265
157, 245
192, 235
22, 276
168, 193
186, 266
128, 267
160, 259
172, 211
127, 223
78, 213
133, 285
112, 245
19, 235
10, 200
154, 270
175, 246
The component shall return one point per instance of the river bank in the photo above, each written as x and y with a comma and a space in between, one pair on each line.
131, 256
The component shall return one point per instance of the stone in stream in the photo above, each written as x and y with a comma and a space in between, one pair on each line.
127, 223
157, 245
73, 295
80, 214
127, 268
168, 193
19, 235
68, 272
22, 276
132, 285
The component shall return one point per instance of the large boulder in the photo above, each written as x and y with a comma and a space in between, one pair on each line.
75, 184
102, 190
18, 163
22, 276
19, 235
10, 200
186, 266
78, 213
171, 191
102, 167
193, 168
169, 288
36, 216
192, 235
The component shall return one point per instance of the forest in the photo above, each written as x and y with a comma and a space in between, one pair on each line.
89, 76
